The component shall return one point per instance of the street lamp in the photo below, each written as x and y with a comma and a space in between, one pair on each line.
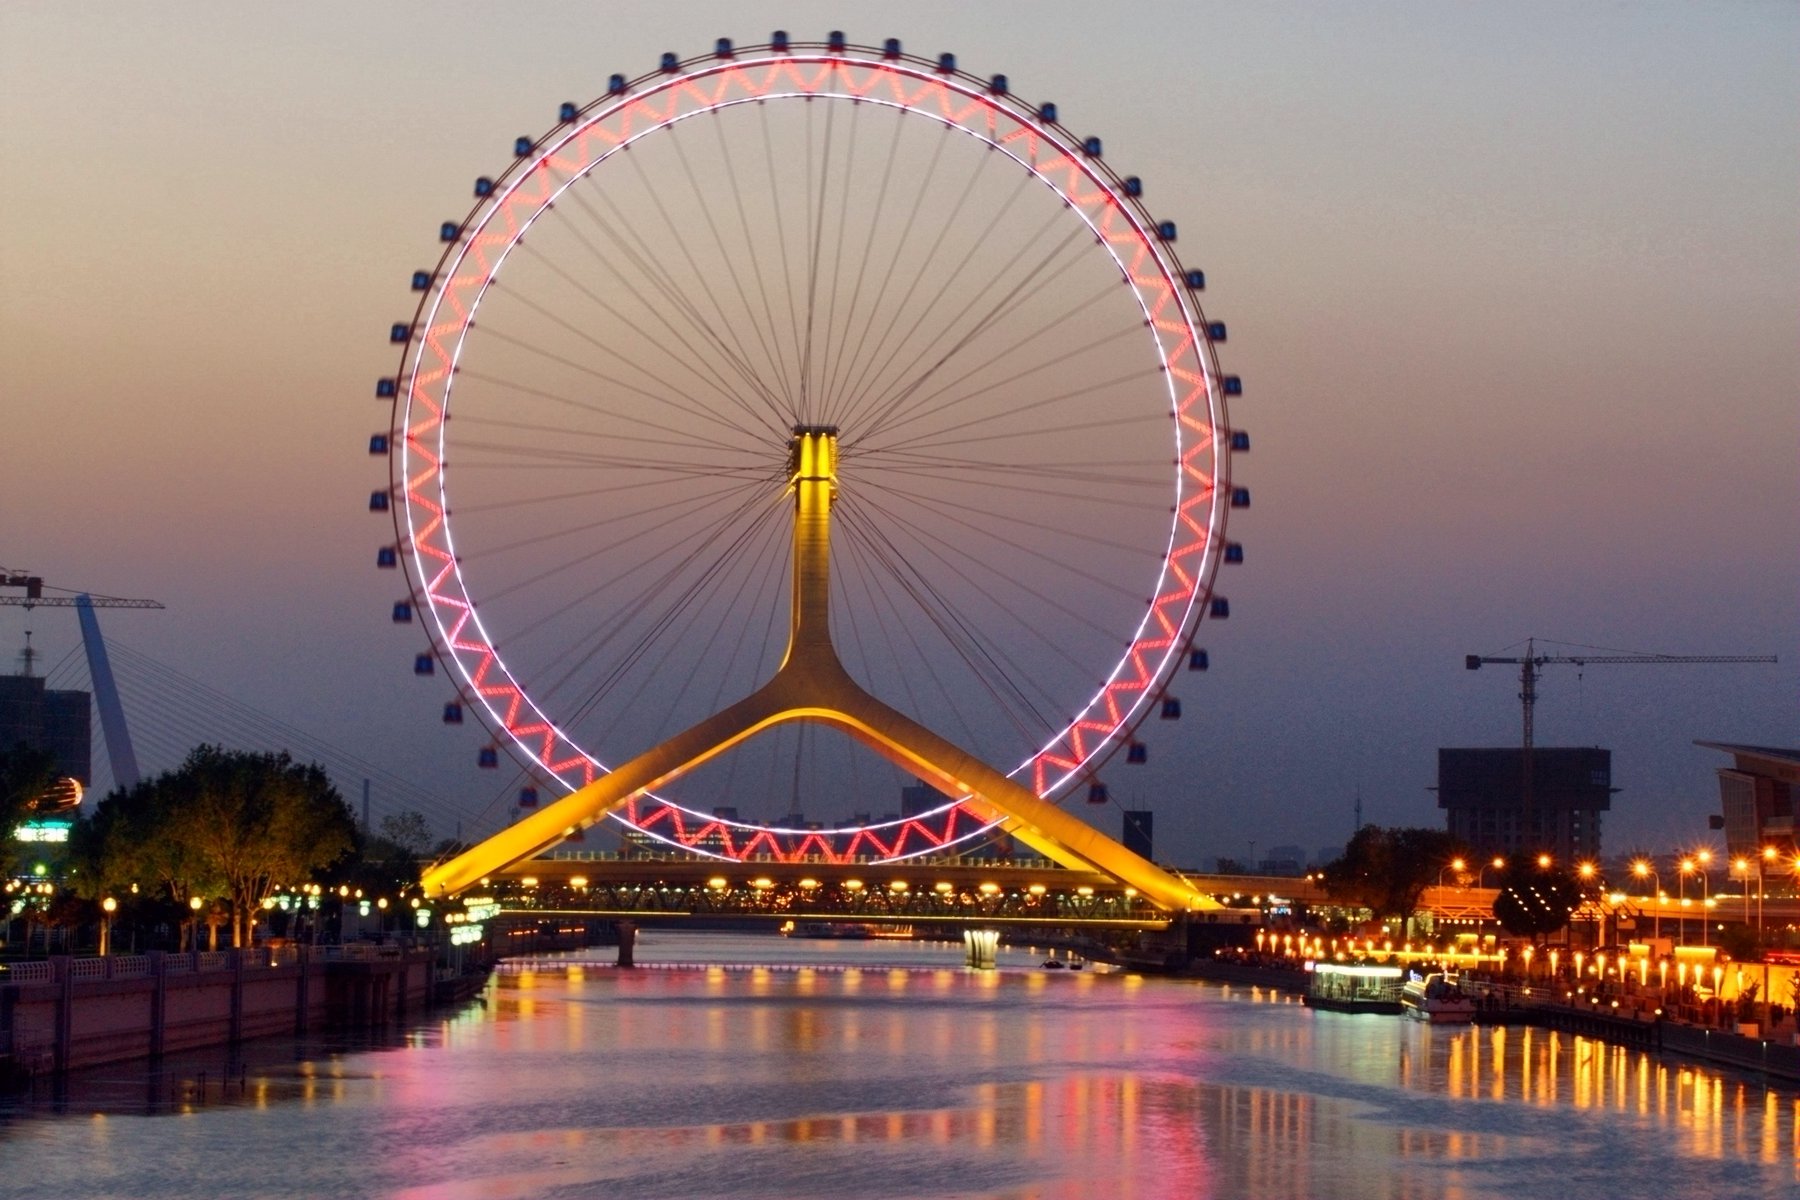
1641, 868
108, 907
1741, 865
194, 903
1455, 864
1697, 864
1498, 863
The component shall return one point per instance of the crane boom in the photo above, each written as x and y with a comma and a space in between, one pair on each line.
1529, 664
34, 595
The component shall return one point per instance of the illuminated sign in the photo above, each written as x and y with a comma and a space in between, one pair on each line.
42, 831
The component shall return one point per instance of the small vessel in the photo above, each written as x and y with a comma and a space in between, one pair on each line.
837, 930
1353, 987
1437, 998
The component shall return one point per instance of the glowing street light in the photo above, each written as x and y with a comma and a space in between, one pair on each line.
108, 907
1497, 863
1455, 864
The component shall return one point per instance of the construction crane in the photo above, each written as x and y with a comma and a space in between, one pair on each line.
1531, 661
106, 691
34, 595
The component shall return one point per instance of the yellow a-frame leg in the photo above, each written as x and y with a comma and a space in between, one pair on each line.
812, 685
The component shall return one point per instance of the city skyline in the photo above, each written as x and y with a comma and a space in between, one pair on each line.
1512, 296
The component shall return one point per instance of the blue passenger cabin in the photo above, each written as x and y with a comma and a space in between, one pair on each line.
487, 758
386, 558
1097, 793
424, 664
1171, 709
1137, 752
403, 613
453, 713
1198, 660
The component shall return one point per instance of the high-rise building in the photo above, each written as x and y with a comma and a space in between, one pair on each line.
1138, 832
1756, 798
1488, 807
45, 719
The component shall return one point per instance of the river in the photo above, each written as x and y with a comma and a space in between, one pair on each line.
878, 1068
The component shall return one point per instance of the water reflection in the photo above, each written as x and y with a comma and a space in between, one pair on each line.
857, 1077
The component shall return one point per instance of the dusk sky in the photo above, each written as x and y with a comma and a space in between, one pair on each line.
1513, 290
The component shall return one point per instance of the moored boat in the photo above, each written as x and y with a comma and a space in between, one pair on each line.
1437, 998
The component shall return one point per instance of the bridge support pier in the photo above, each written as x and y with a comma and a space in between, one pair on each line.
627, 942
981, 947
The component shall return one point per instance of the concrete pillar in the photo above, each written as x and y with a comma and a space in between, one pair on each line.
237, 995
302, 986
627, 943
981, 947
65, 1009
159, 1001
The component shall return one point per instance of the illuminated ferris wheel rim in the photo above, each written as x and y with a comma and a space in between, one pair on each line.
544, 169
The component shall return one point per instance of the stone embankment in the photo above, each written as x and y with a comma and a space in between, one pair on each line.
64, 1013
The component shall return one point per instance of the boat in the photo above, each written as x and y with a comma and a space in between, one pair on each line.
1438, 999
838, 930
1353, 987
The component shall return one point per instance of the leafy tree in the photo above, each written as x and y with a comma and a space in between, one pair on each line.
1387, 870
225, 823
1534, 901
408, 831
25, 774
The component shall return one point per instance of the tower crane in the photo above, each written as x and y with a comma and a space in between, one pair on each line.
1531, 662
106, 692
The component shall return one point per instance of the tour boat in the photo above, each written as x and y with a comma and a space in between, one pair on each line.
1438, 999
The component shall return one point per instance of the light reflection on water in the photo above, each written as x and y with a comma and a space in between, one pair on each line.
905, 1075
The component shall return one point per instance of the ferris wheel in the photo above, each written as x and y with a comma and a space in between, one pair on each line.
601, 392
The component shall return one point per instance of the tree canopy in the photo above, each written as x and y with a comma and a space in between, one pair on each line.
1536, 901
226, 823
1387, 870
26, 773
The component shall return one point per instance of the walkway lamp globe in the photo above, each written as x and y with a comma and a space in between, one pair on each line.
1642, 869
1455, 864
1497, 863
1544, 861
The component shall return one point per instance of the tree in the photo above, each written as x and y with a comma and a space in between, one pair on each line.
1387, 870
225, 823
408, 831
26, 773
1535, 901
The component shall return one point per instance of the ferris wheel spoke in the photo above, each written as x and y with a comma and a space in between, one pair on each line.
1036, 366
734, 354
673, 628
918, 407
923, 439
640, 258
548, 355
866, 554
1056, 493
989, 516
857, 387
836, 352
671, 511
747, 460
885, 398
1106, 585
617, 417
729, 260
1002, 687
623, 574
603, 635
856, 359
752, 245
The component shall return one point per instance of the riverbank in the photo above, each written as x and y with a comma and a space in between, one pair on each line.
1509, 1005
62, 1013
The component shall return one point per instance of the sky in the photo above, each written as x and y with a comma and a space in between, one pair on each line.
1513, 290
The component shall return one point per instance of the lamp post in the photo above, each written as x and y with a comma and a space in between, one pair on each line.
1741, 865
194, 903
1641, 868
1704, 859
1455, 864
1497, 863
108, 907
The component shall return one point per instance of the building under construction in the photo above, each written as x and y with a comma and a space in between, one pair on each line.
1490, 807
